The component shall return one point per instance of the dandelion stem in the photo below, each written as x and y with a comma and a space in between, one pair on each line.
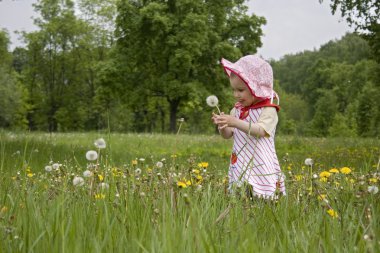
217, 107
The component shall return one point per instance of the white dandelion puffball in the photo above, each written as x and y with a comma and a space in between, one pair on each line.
159, 165
87, 173
212, 101
55, 166
138, 171
309, 162
100, 143
104, 186
142, 160
91, 155
373, 189
48, 168
78, 181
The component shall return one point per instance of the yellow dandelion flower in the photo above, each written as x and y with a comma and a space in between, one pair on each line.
334, 170
322, 196
298, 177
196, 171
134, 162
100, 196
203, 165
30, 174
149, 170
324, 174
188, 182
332, 213
337, 183
199, 177
373, 180
101, 178
181, 184
345, 170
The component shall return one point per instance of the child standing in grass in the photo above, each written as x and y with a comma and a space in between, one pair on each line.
252, 124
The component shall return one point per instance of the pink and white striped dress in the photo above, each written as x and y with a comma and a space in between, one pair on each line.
254, 160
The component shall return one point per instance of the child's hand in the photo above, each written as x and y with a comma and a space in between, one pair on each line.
223, 120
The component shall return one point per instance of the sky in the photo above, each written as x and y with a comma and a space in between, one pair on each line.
292, 25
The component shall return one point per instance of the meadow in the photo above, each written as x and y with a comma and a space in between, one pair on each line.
168, 193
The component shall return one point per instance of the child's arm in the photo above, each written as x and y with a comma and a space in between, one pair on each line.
229, 122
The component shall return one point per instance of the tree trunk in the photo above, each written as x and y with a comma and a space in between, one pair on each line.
173, 114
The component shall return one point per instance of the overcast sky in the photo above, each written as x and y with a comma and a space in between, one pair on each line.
292, 25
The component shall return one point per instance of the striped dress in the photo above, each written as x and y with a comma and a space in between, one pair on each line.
254, 160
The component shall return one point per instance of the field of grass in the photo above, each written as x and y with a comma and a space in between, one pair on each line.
131, 203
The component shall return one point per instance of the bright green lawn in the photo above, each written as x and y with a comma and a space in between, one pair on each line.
43, 212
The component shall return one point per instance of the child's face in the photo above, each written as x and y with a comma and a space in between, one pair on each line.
241, 92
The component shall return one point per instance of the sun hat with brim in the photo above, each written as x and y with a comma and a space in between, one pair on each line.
256, 73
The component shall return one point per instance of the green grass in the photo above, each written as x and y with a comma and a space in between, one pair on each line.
45, 212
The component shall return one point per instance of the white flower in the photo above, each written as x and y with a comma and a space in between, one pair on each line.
315, 176
142, 160
212, 101
159, 164
181, 120
104, 186
309, 162
373, 189
48, 168
100, 143
87, 173
138, 171
91, 155
55, 166
78, 181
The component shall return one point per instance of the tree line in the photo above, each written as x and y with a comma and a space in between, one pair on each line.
140, 66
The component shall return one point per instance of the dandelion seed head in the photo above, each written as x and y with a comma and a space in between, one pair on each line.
309, 162
100, 143
48, 168
56, 166
212, 101
373, 189
159, 165
104, 186
137, 171
91, 155
87, 173
78, 181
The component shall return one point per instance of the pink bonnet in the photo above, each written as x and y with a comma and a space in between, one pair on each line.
255, 72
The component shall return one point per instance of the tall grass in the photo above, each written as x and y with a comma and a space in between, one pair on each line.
44, 212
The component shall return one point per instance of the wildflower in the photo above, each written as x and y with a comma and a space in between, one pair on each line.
100, 143
195, 171
203, 165
137, 171
181, 120
78, 181
212, 101
101, 177
134, 162
345, 170
324, 174
100, 196
373, 189
334, 170
315, 176
373, 180
181, 184
159, 165
48, 168
298, 177
142, 160
322, 196
56, 166
30, 174
104, 186
309, 162
199, 177
87, 173
332, 213
91, 155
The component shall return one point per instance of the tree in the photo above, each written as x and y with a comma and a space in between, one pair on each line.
169, 49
